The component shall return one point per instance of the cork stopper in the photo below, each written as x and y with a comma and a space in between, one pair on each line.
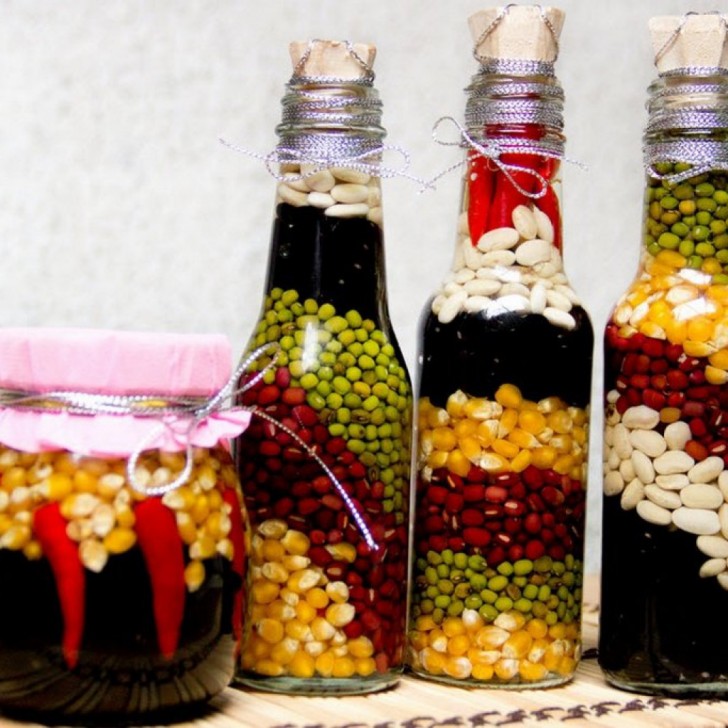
522, 33
689, 41
332, 58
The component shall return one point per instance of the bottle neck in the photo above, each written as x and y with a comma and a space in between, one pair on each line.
686, 162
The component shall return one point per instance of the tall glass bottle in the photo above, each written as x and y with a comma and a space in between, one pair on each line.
329, 558
665, 517
504, 386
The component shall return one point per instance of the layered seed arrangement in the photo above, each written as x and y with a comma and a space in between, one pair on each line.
500, 506
666, 443
325, 604
508, 262
340, 192
79, 512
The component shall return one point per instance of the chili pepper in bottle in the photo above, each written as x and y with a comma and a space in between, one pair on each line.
665, 517
503, 400
329, 558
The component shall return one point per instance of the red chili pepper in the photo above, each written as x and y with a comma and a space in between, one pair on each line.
62, 554
480, 190
507, 195
549, 204
161, 546
237, 536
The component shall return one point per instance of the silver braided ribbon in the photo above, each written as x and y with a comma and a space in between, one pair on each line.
187, 412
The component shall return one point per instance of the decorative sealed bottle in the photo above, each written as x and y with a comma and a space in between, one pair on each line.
505, 357
665, 516
329, 554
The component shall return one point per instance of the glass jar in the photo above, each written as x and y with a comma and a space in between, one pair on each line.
665, 517
329, 550
503, 406
123, 553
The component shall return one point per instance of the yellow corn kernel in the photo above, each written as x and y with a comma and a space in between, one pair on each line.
57, 486
264, 592
517, 645
314, 647
322, 630
185, 527
562, 443
16, 537
438, 640
653, 330
508, 420
443, 438
15, 477
455, 403
543, 457
119, 540
293, 562
538, 649
343, 551
487, 432
272, 550
700, 329
437, 459
218, 525
506, 668
283, 651
537, 628
303, 580
511, 621
532, 671
194, 575
298, 630
698, 348
719, 359
317, 598
505, 449
482, 672
458, 645
557, 631
437, 417
457, 463
670, 259
432, 661
563, 464
458, 667
365, 666
713, 375
676, 331
343, 667
424, 623
717, 293
521, 461
470, 448
296, 542
490, 637
257, 647
452, 626
205, 476
338, 591
32, 551
340, 614
492, 463
302, 665
270, 630
566, 666
280, 611
711, 266
8, 459
522, 439
508, 395
553, 655
225, 548
273, 571
360, 647
560, 422
418, 640
179, 499
305, 612
465, 428
483, 657
572, 631
269, 668
205, 548
274, 528
324, 664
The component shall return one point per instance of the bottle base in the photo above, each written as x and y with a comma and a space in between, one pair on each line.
717, 689
320, 686
551, 681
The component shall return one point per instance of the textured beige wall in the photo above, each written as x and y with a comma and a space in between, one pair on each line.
119, 208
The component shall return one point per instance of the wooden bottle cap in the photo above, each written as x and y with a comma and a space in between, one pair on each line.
332, 58
689, 40
520, 34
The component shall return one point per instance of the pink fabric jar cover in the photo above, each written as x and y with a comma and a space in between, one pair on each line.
93, 361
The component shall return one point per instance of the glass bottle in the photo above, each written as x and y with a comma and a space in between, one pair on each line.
122, 556
503, 394
665, 520
329, 558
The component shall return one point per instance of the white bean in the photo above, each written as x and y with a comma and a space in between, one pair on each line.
558, 300
532, 252
713, 546
320, 200
451, 307
640, 417
673, 461
712, 567
291, 196
525, 222
359, 209
613, 483
350, 194
502, 238
675, 481
696, 520
677, 435
633, 494
350, 175
538, 298
652, 513
622, 442
701, 495
706, 470
559, 318
643, 467
650, 442
544, 226
666, 498
482, 287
